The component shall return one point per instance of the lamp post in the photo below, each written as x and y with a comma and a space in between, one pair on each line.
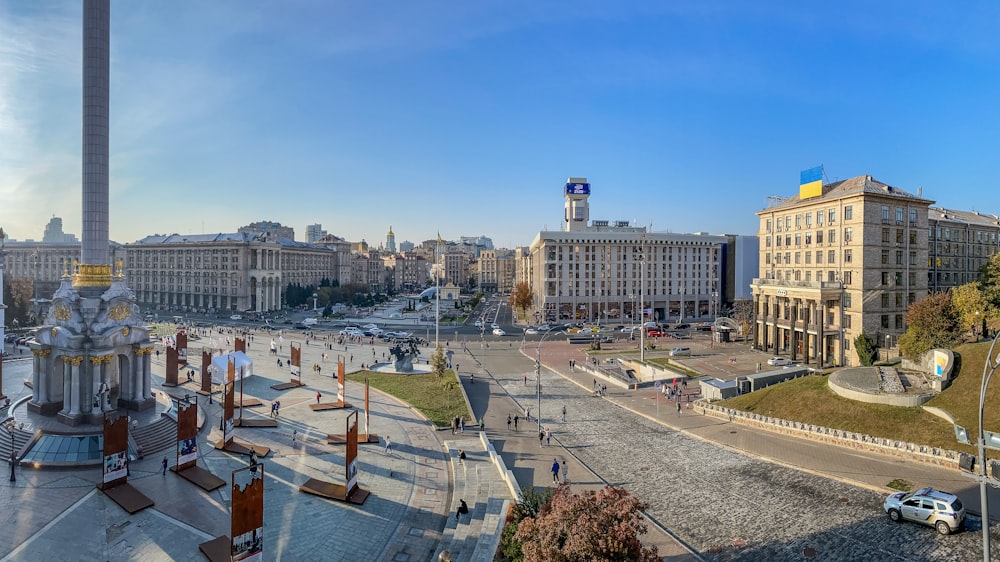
538, 379
9, 426
990, 367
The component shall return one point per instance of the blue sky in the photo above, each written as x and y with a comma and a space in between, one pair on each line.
467, 117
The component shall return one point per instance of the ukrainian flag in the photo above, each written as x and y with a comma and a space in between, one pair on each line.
811, 183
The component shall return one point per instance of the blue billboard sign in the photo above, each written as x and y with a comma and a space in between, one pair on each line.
577, 189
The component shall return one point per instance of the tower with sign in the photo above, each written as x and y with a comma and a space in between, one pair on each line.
577, 213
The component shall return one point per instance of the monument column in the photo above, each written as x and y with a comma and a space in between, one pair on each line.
146, 376
67, 384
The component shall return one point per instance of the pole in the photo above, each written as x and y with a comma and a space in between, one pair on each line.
642, 306
437, 309
989, 368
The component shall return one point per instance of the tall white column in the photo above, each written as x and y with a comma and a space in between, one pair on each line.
96, 62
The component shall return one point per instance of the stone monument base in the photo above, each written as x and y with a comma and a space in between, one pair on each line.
46, 408
137, 405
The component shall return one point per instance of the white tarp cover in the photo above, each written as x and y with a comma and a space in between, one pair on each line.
244, 366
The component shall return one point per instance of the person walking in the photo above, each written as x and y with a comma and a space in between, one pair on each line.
454, 425
164, 466
295, 433
318, 396
564, 413
515, 422
678, 406
541, 437
548, 437
527, 413
388, 445
482, 424
525, 380
508, 422
565, 473
555, 471
461, 424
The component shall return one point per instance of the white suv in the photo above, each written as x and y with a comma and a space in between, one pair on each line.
927, 506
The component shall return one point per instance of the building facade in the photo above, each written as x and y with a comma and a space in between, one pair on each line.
836, 263
961, 243
604, 272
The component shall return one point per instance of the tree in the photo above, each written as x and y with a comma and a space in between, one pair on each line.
932, 322
438, 362
971, 305
17, 296
990, 281
595, 525
742, 314
521, 297
531, 503
866, 348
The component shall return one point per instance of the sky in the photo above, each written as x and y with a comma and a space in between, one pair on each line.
466, 118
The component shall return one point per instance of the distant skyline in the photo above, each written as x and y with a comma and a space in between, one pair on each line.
466, 118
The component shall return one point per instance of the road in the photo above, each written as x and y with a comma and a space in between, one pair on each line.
726, 504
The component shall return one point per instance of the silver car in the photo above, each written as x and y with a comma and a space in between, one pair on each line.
928, 506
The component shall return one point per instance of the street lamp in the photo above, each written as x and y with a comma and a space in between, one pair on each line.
9, 426
538, 379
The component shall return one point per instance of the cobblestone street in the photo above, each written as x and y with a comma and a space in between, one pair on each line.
723, 503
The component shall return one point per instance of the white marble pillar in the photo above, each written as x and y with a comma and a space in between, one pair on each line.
147, 391
67, 384
74, 387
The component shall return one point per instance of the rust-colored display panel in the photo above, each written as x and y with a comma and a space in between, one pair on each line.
187, 432
296, 361
182, 347
240, 344
115, 451
170, 377
206, 373
228, 406
248, 514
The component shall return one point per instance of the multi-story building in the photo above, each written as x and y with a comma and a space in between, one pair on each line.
835, 261
961, 242
603, 271
271, 228
455, 268
314, 232
409, 272
215, 272
742, 257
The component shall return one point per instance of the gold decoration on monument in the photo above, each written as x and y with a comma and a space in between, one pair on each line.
53, 331
120, 312
75, 361
62, 313
119, 268
41, 352
89, 275
98, 359
125, 331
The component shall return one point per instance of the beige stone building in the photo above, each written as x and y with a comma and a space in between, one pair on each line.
961, 242
847, 260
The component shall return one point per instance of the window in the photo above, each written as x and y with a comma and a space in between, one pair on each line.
798, 221
913, 237
885, 321
911, 298
885, 257
809, 238
847, 300
899, 257
885, 300
767, 258
777, 241
819, 256
899, 215
847, 323
899, 300
885, 235
899, 321
831, 236
819, 236
847, 278
798, 239
768, 227
788, 240
809, 220
913, 216
797, 261
831, 256
767, 241
832, 215
788, 223
899, 235
913, 258
847, 255
885, 220
885, 277
847, 235
819, 218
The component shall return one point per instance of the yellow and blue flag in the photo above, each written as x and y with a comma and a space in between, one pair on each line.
811, 182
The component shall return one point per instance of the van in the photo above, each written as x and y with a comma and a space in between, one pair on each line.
680, 351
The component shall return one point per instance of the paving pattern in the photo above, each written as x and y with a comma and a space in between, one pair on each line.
728, 505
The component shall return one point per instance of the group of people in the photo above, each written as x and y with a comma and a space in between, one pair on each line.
275, 408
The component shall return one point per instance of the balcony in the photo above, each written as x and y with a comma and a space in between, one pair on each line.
762, 282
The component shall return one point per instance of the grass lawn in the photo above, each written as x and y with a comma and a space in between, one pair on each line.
428, 393
809, 400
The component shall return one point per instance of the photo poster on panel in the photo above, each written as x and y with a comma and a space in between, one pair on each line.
115, 451
182, 347
206, 372
240, 344
340, 382
247, 519
187, 432
351, 456
296, 361
228, 407
170, 377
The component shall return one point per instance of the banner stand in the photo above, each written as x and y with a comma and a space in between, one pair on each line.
295, 368
246, 523
187, 446
114, 482
228, 443
366, 437
349, 491
341, 397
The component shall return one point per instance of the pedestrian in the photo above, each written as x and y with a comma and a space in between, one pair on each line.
277, 408
515, 422
461, 456
482, 424
541, 437
678, 406
564, 413
295, 433
555, 471
454, 425
164, 463
463, 508
548, 437
595, 384
272, 410
508, 422
388, 445
527, 413
565, 473
461, 424
525, 380
318, 396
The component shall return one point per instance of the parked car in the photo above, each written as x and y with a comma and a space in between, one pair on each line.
705, 328
682, 326
779, 361
236, 317
498, 332
531, 331
479, 323
680, 351
927, 506
544, 328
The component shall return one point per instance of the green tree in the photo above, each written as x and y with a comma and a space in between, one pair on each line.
866, 348
596, 525
438, 362
989, 277
932, 322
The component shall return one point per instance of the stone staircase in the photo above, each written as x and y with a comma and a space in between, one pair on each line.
156, 436
474, 537
20, 439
